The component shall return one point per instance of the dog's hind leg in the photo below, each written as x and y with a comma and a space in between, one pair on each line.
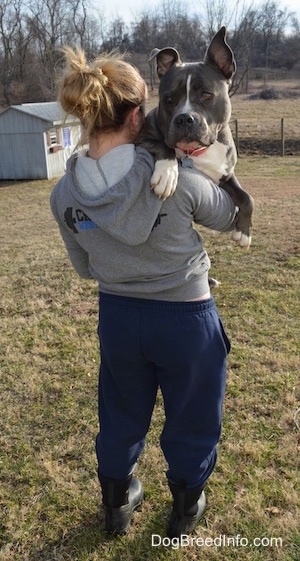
245, 203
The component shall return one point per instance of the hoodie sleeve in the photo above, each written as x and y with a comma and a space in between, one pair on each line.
78, 256
212, 206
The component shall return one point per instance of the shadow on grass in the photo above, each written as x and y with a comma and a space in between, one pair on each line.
89, 541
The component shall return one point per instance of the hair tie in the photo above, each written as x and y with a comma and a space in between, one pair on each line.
98, 74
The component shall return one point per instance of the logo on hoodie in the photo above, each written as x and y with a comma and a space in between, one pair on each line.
77, 220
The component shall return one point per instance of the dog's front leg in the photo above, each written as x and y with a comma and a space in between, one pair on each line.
165, 175
164, 178
245, 203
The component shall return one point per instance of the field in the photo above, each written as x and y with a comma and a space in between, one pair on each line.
49, 496
268, 122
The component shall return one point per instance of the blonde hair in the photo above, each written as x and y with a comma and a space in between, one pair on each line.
99, 93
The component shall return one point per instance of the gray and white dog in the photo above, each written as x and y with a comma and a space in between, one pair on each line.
191, 123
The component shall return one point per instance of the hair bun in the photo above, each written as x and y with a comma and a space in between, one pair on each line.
96, 73
101, 92
101, 76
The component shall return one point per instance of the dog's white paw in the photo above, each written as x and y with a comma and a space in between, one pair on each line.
213, 283
242, 239
164, 178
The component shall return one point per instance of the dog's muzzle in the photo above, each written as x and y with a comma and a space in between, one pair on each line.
185, 121
189, 128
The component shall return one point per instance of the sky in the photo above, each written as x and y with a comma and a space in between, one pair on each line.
129, 10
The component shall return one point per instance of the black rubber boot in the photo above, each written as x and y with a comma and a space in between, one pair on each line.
120, 498
188, 507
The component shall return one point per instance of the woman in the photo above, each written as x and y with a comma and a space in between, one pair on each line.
158, 325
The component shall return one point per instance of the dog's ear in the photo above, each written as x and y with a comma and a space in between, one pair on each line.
220, 55
165, 58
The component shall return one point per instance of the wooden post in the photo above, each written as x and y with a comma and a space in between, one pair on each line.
237, 137
282, 137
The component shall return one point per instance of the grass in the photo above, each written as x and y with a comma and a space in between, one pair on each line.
49, 496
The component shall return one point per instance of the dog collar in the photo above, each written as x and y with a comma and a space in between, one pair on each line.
196, 152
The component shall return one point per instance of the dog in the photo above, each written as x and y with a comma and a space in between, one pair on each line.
191, 124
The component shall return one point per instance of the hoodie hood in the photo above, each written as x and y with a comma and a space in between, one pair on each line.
126, 210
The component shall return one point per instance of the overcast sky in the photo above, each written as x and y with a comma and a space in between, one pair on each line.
129, 10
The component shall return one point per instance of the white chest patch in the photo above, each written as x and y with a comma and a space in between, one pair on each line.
213, 162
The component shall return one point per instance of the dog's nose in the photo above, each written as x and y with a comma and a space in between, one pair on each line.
185, 120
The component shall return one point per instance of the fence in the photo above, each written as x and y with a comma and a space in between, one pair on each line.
280, 137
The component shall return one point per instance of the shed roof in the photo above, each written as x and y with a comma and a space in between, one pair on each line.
50, 111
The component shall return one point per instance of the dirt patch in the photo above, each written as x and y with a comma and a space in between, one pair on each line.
269, 147
272, 93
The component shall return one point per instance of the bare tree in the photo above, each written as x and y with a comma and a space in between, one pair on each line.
216, 15
273, 21
54, 23
78, 11
243, 41
33, 31
145, 33
14, 44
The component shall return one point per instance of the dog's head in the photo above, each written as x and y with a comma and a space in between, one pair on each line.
194, 103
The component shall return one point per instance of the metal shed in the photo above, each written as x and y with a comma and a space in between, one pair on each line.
36, 140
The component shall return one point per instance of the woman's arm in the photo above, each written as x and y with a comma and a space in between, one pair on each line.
78, 256
212, 207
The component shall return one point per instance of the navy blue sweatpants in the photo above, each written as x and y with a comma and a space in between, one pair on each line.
180, 347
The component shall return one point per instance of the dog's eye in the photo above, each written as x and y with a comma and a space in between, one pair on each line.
206, 96
168, 100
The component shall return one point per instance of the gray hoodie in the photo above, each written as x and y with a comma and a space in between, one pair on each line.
118, 232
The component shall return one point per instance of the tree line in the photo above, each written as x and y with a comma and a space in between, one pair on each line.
33, 31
